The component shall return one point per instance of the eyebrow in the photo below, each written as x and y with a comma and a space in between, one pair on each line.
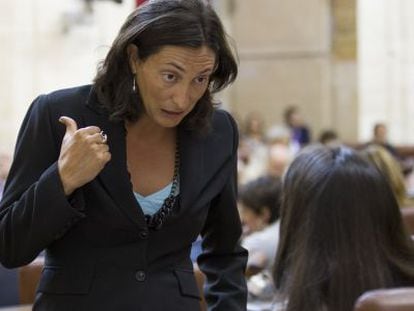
178, 67
206, 70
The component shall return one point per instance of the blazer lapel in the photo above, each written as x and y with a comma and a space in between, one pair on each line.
115, 177
202, 160
191, 165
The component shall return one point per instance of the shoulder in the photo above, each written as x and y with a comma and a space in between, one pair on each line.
223, 119
223, 122
76, 92
69, 96
69, 101
225, 127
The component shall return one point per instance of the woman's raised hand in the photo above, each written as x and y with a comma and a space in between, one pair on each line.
83, 155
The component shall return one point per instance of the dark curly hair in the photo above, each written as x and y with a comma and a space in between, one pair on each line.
158, 23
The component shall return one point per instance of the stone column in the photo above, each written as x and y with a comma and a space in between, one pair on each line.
386, 68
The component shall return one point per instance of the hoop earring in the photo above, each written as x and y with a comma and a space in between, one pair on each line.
134, 85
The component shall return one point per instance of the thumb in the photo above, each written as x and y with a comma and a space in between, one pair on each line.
71, 126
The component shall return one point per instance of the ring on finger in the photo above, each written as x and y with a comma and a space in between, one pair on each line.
104, 137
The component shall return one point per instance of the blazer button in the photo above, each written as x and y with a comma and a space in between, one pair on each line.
140, 276
143, 234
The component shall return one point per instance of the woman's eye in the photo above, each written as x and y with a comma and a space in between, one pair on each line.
169, 77
201, 80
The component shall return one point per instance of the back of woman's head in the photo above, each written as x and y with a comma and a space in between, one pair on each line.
386, 163
341, 231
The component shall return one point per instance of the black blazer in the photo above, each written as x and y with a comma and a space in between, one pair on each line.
100, 254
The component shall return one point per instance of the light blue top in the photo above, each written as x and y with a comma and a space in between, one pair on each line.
153, 202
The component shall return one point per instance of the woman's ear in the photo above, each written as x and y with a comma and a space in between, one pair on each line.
132, 51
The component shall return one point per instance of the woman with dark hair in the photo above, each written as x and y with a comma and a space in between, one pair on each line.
341, 232
141, 167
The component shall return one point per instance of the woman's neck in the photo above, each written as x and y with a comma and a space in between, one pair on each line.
150, 132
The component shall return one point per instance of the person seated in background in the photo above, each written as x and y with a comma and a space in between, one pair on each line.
280, 150
259, 202
252, 151
341, 232
391, 169
300, 133
380, 138
329, 138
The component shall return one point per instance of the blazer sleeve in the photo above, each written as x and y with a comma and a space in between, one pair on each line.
223, 260
34, 210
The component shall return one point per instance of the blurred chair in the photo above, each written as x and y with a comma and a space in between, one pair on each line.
200, 279
29, 276
395, 299
9, 294
408, 218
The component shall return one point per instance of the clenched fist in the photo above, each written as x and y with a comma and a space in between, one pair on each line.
83, 155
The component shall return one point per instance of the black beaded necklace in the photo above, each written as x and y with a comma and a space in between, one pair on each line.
157, 220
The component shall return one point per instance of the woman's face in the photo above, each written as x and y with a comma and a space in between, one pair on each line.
172, 81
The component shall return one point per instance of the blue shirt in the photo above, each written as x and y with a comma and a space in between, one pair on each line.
153, 202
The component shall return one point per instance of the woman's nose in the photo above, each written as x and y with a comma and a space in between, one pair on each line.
182, 97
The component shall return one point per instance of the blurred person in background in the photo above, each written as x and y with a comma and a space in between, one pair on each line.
281, 152
329, 138
380, 137
253, 127
389, 166
300, 133
115, 180
259, 202
253, 150
341, 233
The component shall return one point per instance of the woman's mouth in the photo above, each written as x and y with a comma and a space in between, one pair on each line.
172, 113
